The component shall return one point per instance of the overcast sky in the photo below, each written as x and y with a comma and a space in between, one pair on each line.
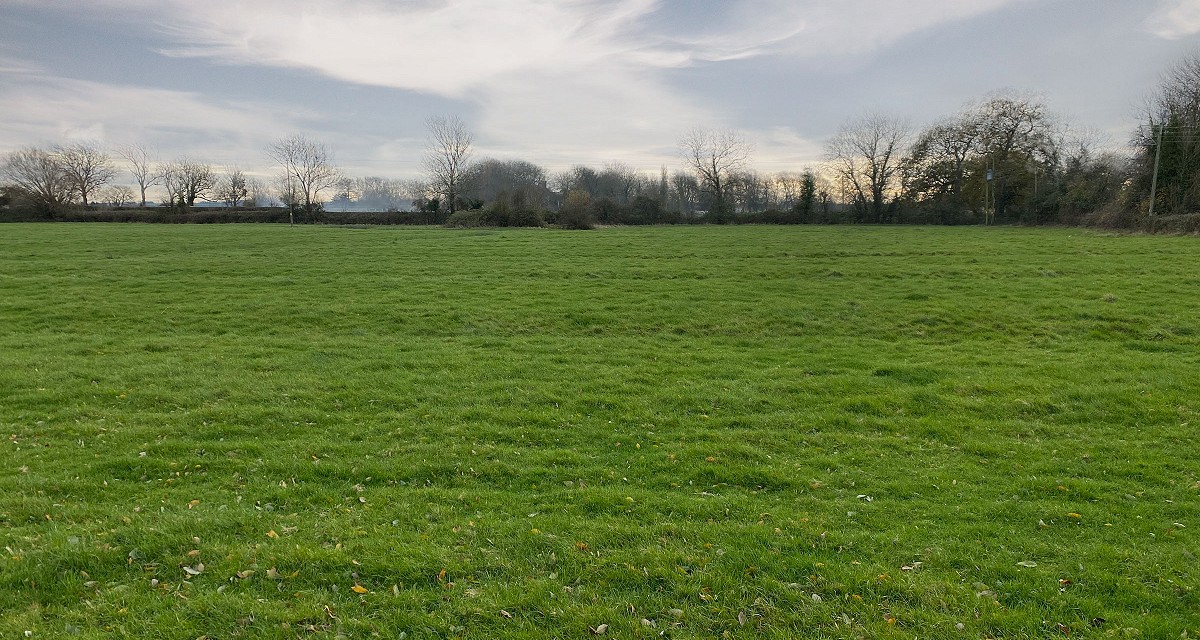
558, 82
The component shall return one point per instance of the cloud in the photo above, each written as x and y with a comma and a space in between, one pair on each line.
448, 48
44, 109
588, 74
1175, 19
455, 47
556, 81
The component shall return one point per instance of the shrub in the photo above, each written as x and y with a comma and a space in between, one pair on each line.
576, 211
468, 219
525, 218
1182, 223
1113, 216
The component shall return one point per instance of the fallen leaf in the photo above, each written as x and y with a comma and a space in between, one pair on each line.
505, 614
742, 618
194, 571
1028, 564
599, 629
272, 573
1074, 515
242, 575
358, 588
272, 534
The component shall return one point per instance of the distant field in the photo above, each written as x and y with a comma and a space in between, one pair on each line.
819, 432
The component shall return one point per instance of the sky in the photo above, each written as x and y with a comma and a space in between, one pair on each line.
560, 82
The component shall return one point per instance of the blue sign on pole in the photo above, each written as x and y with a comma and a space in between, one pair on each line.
989, 175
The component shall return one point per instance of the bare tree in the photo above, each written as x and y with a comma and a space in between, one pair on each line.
142, 166
117, 195
685, 191
715, 156
86, 166
447, 156
308, 168
231, 188
257, 194
867, 154
187, 181
787, 186
287, 192
621, 182
37, 175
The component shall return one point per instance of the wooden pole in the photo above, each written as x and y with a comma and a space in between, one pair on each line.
1154, 180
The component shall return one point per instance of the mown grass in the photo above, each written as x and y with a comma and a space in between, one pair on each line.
674, 432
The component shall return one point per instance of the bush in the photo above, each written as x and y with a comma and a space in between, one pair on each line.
576, 212
1181, 223
1113, 216
605, 211
499, 214
468, 219
525, 218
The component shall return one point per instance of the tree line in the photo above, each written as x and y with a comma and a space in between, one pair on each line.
1004, 159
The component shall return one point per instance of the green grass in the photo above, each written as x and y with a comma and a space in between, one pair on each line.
675, 432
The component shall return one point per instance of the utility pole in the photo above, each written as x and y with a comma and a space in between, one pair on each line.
1154, 180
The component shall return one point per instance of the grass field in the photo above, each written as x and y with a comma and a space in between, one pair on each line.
273, 432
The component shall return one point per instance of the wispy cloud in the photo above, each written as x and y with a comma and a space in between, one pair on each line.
1175, 19
545, 73
449, 48
554, 80
44, 109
